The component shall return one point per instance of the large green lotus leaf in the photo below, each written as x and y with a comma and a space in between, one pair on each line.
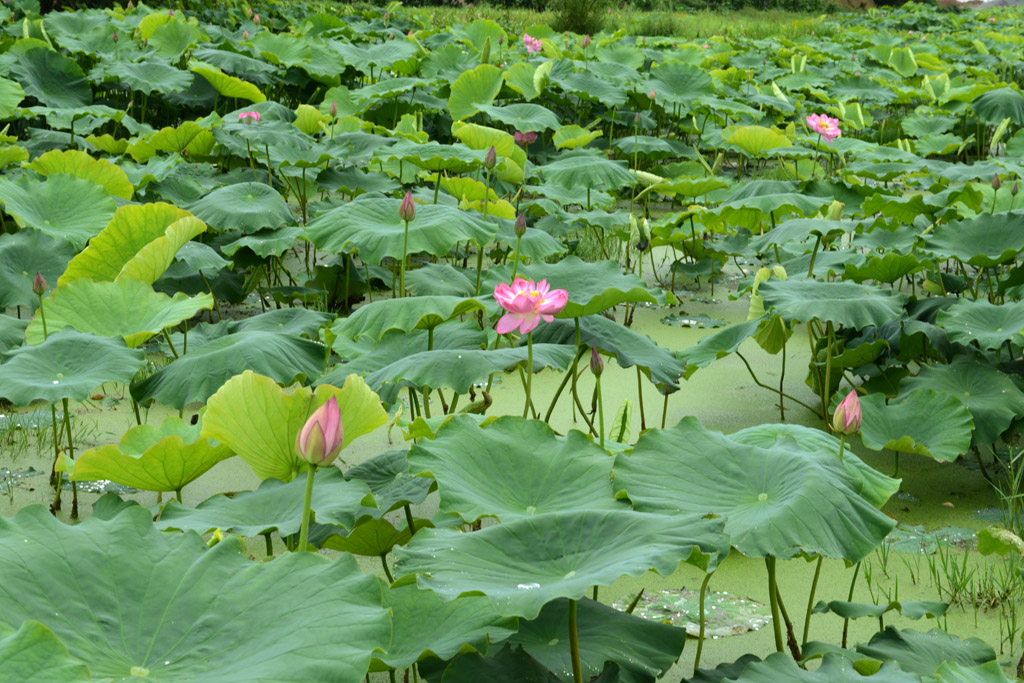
800, 230
228, 86
992, 397
985, 241
372, 537
535, 245
592, 287
68, 364
80, 164
841, 303
524, 117
248, 207
11, 96
150, 75
461, 369
52, 78
645, 648
513, 468
629, 347
275, 506
587, 85
390, 481
874, 486
173, 38
151, 458
173, 139
125, 308
757, 139
473, 88
32, 654
63, 206
995, 105
162, 606
923, 653
22, 255
197, 375
751, 212
524, 564
480, 137
426, 626
259, 420
133, 227
434, 156
587, 170
508, 665
717, 345
835, 668
990, 325
680, 82
373, 229
777, 501
887, 269
266, 243
406, 314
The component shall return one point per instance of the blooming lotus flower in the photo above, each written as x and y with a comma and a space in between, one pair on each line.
846, 419
527, 302
524, 139
532, 44
705, 46
825, 126
321, 438
245, 115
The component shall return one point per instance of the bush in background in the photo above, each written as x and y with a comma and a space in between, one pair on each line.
584, 17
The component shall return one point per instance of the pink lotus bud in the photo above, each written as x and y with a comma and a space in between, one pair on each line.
519, 227
39, 284
170, 13
501, 39
113, 36
321, 438
256, 19
652, 94
524, 139
245, 35
1014, 189
846, 419
910, 32
249, 117
995, 182
636, 119
131, 5
248, 13
596, 362
706, 46
334, 109
586, 41
491, 158
407, 210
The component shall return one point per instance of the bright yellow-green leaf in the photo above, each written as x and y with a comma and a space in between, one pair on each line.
156, 257
259, 420
12, 154
108, 143
228, 86
171, 139
308, 119
520, 78
571, 137
80, 164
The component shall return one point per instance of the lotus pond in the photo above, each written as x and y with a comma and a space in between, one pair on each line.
340, 347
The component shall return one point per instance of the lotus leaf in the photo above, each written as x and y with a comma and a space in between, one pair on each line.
246, 207
406, 314
22, 255
841, 303
63, 206
33, 654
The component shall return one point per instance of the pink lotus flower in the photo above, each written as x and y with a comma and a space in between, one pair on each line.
407, 209
524, 139
527, 302
532, 44
847, 417
705, 46
254, 115
825, 126
652, 94
991, 20
321, 438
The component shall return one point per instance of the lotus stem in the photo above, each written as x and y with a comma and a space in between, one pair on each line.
575, 364
306, 502
405, 256
529, 373
574, 645
842, 446
826, 389
384, 563
71, 451
600, 408
794, 649
814, 255
810, 601
702, 621
782, 387
640, 397
174, 351
849, 598
409, 520
515, 258
480, 248
773, 601
561, 387
270, 545
58, 477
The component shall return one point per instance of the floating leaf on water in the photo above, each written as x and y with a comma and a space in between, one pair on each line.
907, 538
701, 321
100, 486
12, 478
726, 614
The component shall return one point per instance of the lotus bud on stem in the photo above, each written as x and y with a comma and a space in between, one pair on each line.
597, 368
318, 443
519, 228
407, 212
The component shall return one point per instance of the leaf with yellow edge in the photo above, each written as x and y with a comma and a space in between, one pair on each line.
571, 137
151, 23
520, 78
228, 86
126, 308
151, 458
258, 420
108, 143
12, 154
156, 257
467, 188
80, 164
756, 139
500, 208
171, 139
129, 231
476, 136
308, 119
